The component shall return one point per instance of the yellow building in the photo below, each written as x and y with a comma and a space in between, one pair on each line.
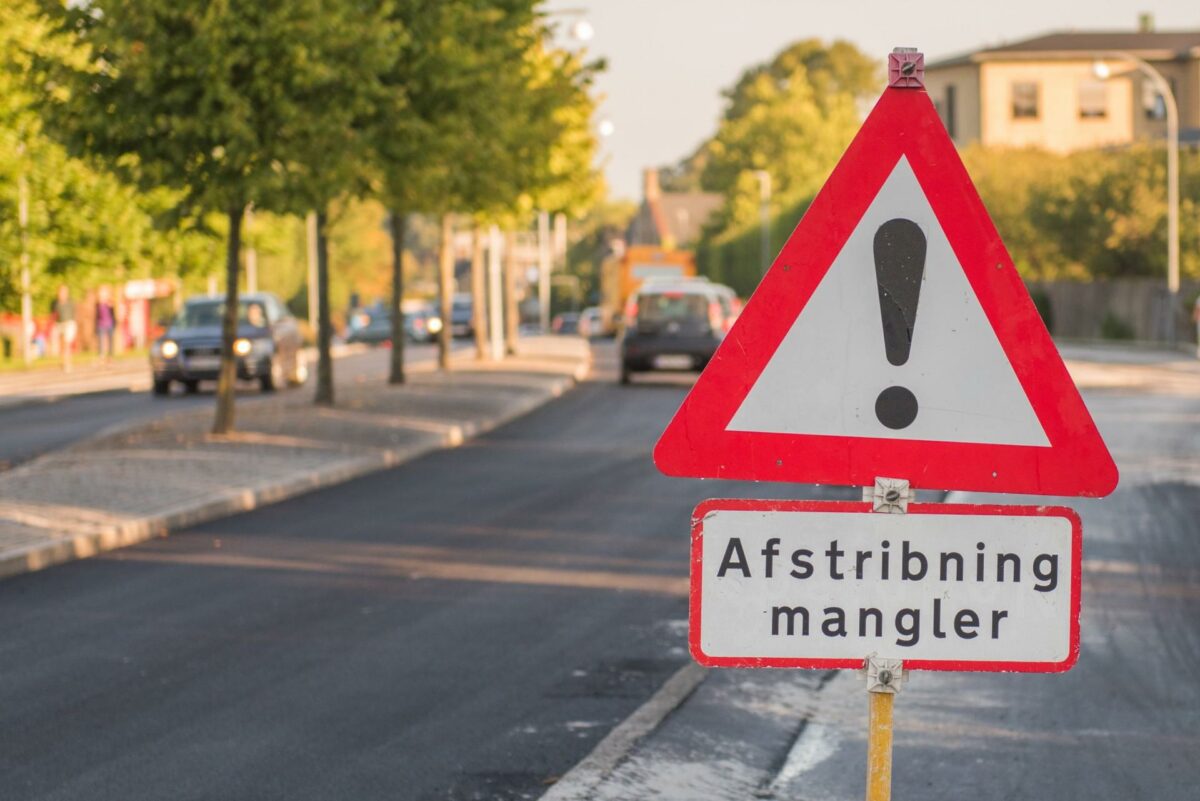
1045, 92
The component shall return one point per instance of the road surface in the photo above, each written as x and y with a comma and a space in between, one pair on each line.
469, 625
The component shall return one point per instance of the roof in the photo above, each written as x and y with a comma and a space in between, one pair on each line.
677, 215
1156, 45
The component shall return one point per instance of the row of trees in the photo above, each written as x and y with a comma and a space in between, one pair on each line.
434, 106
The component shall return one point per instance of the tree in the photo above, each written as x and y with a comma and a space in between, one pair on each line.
488, 120
229, 103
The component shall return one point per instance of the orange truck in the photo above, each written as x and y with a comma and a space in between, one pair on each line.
622, 276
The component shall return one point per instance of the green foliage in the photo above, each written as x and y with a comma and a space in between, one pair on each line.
1090, 214
85, 225
1113, 327
591, 239
230, 102
792, 117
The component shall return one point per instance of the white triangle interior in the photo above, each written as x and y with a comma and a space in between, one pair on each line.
829, 369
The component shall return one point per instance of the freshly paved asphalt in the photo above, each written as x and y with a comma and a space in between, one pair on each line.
466, 626
40, 426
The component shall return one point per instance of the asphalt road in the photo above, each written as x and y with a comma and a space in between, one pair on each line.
40, 426
469, 625
466, 626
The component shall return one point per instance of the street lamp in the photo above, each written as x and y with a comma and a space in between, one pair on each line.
1102, 72
764, 197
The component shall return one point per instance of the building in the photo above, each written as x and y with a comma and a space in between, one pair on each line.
1047, 91
670, 220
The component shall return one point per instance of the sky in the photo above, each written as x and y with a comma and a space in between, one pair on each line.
669, 60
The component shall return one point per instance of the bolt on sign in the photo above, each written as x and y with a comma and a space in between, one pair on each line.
892, 346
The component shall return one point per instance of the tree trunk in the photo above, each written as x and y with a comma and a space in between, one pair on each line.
446, 290
324, 396
398, 229
512, 312
227, 379
478, 295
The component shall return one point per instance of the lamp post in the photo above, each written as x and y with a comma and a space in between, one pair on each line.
1102, 71
764, 196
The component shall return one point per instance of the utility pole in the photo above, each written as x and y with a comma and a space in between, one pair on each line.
512, 310
26, 280
764, 198
544, 266
1102, 71
446, 291
495, 291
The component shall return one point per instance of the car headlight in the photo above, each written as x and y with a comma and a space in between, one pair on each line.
168, 349
434, 325
242, 347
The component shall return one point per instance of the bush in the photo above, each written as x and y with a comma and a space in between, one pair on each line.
1113, 327
1045, 308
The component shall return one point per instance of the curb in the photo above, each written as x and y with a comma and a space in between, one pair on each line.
581, 781
80, 545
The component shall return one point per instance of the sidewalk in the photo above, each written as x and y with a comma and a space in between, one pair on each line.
46, 383
139, 482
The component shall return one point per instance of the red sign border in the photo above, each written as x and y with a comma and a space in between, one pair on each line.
697, 443
853, 507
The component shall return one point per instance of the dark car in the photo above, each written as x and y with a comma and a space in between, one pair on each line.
422, 324
675, 326
462, 316
268, 347
565, 323
373, 325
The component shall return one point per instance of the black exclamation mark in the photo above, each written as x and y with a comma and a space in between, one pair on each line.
899, 265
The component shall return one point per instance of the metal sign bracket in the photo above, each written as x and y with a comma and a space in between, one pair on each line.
889, 495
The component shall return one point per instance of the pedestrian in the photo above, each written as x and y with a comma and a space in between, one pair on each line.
65, 329
106, 323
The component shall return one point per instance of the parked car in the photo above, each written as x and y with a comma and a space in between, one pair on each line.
591, 322
422, 324
565, 323
268, 347
675, 325
462, 319
370, 325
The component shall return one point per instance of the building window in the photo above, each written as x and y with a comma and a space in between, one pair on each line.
1024, 100
1153, 103
950, 111
1093, 100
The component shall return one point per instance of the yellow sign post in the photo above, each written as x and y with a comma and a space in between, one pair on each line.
883, 682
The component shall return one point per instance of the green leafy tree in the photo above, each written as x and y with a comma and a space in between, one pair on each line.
230, 103
791, 117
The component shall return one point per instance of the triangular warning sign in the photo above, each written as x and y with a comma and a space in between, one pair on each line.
892, 337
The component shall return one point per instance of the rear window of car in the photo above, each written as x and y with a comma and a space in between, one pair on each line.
662, 307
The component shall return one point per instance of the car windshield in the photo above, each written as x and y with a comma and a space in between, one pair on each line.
671, 307
208, 313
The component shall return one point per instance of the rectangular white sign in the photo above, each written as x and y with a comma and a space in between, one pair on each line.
943, 587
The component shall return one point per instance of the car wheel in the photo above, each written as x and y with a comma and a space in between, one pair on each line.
626, 374
299, 369
161, 388
191, 386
